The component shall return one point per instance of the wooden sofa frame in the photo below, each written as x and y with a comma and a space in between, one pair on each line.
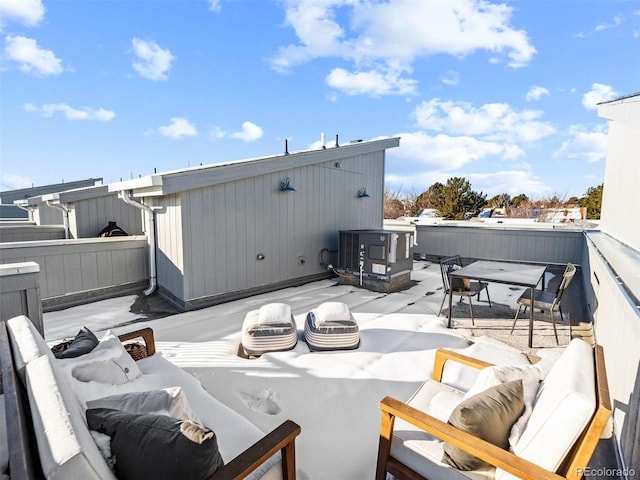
572, 468
23, 454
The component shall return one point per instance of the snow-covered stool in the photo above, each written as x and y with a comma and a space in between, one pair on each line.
331, 327
271, 328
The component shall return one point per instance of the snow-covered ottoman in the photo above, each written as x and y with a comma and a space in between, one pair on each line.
271, 328
331, 326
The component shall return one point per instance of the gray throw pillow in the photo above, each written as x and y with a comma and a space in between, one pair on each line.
84, 342
150, 446
489, 415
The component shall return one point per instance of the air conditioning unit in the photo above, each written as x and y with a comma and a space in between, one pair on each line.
379, 260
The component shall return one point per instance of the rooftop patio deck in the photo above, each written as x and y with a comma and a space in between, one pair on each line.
333, 395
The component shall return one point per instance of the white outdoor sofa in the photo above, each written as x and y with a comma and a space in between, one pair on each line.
570, 412
41, 402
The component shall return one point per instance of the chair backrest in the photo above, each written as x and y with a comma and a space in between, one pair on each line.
446, 265
567, 276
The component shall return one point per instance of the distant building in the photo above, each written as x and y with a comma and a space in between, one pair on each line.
10, 211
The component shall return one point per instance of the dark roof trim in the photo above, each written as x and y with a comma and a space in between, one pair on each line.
624, 97
203, 176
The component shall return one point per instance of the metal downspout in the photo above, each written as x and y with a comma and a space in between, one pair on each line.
65, 216
151, 231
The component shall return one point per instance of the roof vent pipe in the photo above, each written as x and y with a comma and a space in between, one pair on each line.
151, 235
65, 216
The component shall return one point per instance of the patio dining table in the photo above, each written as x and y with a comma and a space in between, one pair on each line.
512, 273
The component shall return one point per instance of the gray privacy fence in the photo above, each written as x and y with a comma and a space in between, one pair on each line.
535, 245
78, 271
30, 233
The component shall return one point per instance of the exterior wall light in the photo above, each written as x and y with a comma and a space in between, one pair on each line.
285, 186
362, 193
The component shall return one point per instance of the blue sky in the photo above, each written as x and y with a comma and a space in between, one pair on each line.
503, 94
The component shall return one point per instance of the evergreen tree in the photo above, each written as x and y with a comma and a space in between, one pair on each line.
456, 200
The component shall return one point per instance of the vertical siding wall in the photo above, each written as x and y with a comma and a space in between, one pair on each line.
46, 215
226, 226
81, 266
516, 244
617, 329
621, 180
88, 217
169, 252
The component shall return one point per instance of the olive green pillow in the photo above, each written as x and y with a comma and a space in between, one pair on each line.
489, 415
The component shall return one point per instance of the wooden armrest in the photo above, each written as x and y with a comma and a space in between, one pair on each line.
147, 336
282, 438
486, 451
443, 355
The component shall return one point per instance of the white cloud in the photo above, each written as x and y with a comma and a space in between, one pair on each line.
214, 5
617, 21
451, 78
448, 153
584, 145
11, 181
250, 132
370, 83
598, 93
178, 128
536, 93
27, 12
386, 37
152, 61
84, 113
493, 121
513, 182
31, 57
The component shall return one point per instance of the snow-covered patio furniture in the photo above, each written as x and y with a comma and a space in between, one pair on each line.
270, 328
63, 395
506, 427
331, 326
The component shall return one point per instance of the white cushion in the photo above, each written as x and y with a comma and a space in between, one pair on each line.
484, 348
171, 402
564, 405
332, 311
27, 343
109, 362
422, 452
65, 445
274, 314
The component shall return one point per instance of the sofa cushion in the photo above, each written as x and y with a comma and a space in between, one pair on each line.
150, 446
412, 446
27, 343
235, 433
84, 342
564, 405
109, 362
65, 445
488, 415
166, 401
